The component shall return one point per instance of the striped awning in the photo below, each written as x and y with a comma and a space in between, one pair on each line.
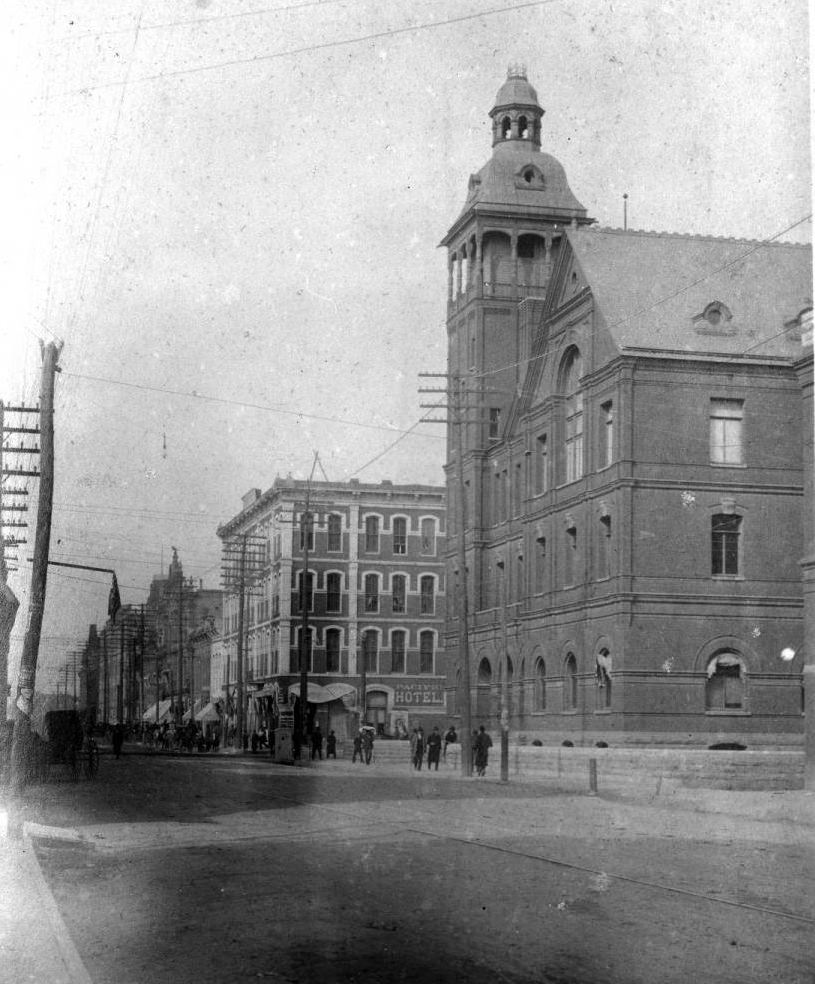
323, 694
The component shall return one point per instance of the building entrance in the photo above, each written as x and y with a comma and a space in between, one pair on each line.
377, 708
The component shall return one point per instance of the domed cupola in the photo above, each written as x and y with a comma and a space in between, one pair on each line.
516, 115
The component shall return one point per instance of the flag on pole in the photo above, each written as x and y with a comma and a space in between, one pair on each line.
114, 601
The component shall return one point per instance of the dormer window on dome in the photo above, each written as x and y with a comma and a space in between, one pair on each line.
715, 319
529, 176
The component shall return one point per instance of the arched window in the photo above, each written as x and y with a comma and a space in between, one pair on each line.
571, 371
426, 652
483, 691
570, 683
398, 593
398, 651
332, 650
308, 595
506, 128
372, 534
370, 650
523, 128
540, 685
427, 594
371, 592
603, 672
334, 532
333, 591
725, 688
400, 535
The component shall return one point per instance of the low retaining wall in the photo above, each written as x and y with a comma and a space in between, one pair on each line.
652, 767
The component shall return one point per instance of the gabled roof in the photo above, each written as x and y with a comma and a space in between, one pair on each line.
663, 291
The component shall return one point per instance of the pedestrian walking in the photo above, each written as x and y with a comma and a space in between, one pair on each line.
418, 754
317, 743
483, 744
450, 738
331, 746
357, 747
368, 745
433, 749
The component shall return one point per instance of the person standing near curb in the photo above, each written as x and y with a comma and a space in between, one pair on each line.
433, 749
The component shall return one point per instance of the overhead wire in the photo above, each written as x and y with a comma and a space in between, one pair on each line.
244, 404
322, 46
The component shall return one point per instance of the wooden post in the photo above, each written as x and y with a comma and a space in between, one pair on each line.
22, 744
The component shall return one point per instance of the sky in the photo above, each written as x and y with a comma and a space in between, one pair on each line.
230, 212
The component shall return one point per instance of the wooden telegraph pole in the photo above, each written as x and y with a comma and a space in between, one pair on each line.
23, 740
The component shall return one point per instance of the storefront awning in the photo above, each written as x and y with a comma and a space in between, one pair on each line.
318, 694
163, 712
208, 713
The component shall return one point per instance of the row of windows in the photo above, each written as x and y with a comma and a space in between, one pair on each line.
725, 550
372, 534
371, 593
374, 658
725, 683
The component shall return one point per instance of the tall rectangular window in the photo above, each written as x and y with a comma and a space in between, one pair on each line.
334, 533
606, 434
494, 423
398, 585
400, 535
370, 650
397, 651
726, 432
540, 565
307, 530
429, 536
517, 489
425, 652
725, 531
371, 592
332, 651
574, 437
570, 556
372, 534
308, 596
541, 465
604, 551
332, 591
427, 601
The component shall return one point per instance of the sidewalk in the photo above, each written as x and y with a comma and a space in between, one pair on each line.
35, 947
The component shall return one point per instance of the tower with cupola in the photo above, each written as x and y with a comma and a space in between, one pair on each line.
501, 251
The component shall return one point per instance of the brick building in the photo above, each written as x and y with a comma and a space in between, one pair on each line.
632, 463
374, 591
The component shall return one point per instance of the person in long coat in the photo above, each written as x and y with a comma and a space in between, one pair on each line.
418, 752
483, 744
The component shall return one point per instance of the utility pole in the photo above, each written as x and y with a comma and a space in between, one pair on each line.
504, 568
241, 602
179, 712
23, 738
454, 394
305, 534
120, 693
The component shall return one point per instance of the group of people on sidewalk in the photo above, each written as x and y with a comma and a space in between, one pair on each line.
435, 748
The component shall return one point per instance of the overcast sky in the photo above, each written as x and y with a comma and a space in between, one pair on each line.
230, 213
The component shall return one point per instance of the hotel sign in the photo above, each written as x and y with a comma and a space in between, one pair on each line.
418, 694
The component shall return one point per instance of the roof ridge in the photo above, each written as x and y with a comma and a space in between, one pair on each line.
701, 236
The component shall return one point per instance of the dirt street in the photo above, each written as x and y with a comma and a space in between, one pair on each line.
218, 869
